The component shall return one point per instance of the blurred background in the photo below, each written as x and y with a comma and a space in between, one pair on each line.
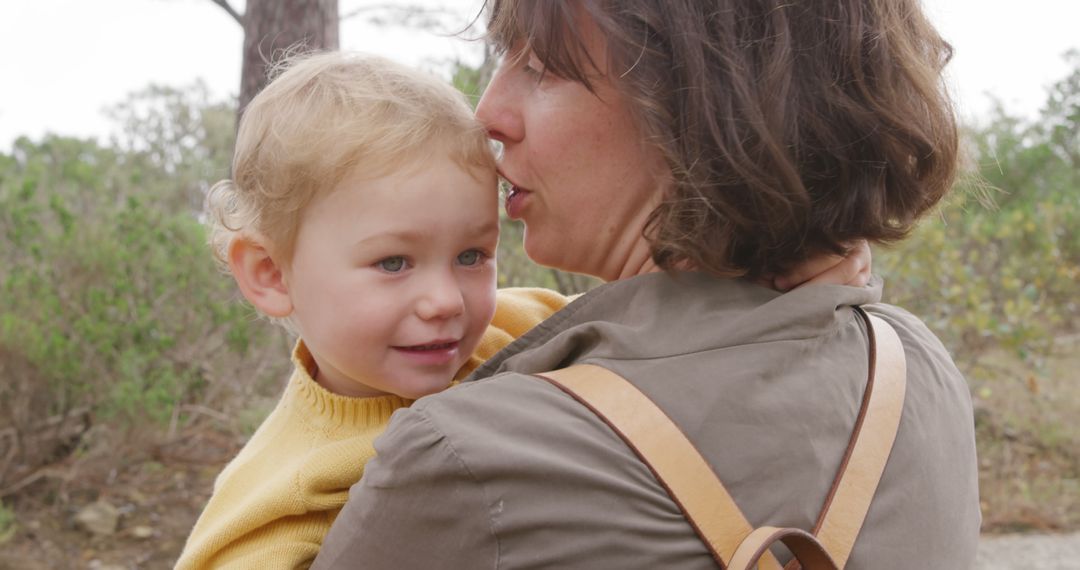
130, 370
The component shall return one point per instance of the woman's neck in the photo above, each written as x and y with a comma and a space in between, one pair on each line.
636, 260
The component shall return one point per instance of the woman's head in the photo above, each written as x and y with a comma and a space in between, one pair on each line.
782, 129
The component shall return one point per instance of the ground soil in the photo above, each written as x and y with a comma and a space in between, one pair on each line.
158, 497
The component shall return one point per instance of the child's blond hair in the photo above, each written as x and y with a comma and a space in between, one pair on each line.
323, 117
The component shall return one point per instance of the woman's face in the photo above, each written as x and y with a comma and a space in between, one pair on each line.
584, 182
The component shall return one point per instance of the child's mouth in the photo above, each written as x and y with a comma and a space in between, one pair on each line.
439, 353
429, 347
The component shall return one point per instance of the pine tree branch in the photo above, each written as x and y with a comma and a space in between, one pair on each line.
232, 11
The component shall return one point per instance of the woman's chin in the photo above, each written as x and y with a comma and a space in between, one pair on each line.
538, 255
544, 252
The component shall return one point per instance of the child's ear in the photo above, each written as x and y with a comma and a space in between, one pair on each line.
260, 278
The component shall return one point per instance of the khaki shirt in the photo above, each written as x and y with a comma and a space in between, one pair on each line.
506, 471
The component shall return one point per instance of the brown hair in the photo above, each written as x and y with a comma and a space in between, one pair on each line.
790, 127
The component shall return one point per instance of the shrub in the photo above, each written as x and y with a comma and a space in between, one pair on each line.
110, 303
999, 265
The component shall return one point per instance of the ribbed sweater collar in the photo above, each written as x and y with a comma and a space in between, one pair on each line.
331, 410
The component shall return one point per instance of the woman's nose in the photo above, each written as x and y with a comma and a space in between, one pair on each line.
498, 108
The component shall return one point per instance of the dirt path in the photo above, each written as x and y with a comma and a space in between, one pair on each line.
1023, 551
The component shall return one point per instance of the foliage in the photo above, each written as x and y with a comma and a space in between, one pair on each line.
7, 523
109, 299
177, 142
471, 81
1002, 272
995, 275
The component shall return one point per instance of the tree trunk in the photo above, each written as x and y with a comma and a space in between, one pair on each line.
273, 26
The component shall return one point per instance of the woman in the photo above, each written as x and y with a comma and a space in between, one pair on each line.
682, 149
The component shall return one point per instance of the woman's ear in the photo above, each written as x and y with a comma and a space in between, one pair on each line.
260, 278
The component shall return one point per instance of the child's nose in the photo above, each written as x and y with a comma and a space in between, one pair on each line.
442, 299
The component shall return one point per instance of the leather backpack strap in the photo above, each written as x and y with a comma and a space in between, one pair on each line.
704, 501
871, 443
806, 548
666, 451
860, 470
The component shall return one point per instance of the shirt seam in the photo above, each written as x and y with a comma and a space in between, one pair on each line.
422, 416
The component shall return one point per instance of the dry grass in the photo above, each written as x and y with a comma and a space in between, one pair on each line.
1029, 439
155, 484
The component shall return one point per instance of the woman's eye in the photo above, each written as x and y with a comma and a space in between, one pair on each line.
470, 257
392, 264
533, 66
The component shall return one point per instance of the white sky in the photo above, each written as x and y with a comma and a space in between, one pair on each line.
65, 60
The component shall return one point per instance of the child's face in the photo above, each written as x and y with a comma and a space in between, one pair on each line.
393, 280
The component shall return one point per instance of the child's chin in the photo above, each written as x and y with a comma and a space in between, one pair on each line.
417, 392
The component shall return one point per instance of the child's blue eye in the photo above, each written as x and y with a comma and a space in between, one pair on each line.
470, 257
392, 264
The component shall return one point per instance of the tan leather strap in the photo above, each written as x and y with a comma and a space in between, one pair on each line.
802, 544
662, 447
701, 496
872, 438
871, 443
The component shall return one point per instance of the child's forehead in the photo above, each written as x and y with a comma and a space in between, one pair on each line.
417, 222
419, 167
415, 189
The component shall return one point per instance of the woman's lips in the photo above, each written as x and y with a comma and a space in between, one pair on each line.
516, 199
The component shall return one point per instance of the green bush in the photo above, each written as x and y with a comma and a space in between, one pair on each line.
7, 523
985, 277
107, 287
999, 265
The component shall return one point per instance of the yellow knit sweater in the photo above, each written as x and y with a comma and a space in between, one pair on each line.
276, 500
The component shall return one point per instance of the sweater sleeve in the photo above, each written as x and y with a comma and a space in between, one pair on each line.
266, 513
517, 309
275, 501
417, 486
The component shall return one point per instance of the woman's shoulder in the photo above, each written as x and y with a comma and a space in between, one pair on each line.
519, 457
520, 436
516, 408
922, 347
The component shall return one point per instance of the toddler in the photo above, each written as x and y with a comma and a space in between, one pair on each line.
362, 214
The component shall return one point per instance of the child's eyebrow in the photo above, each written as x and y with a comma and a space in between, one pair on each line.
407, 236
414, 236
485, 229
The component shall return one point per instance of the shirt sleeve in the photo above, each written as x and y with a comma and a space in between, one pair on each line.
417, 506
